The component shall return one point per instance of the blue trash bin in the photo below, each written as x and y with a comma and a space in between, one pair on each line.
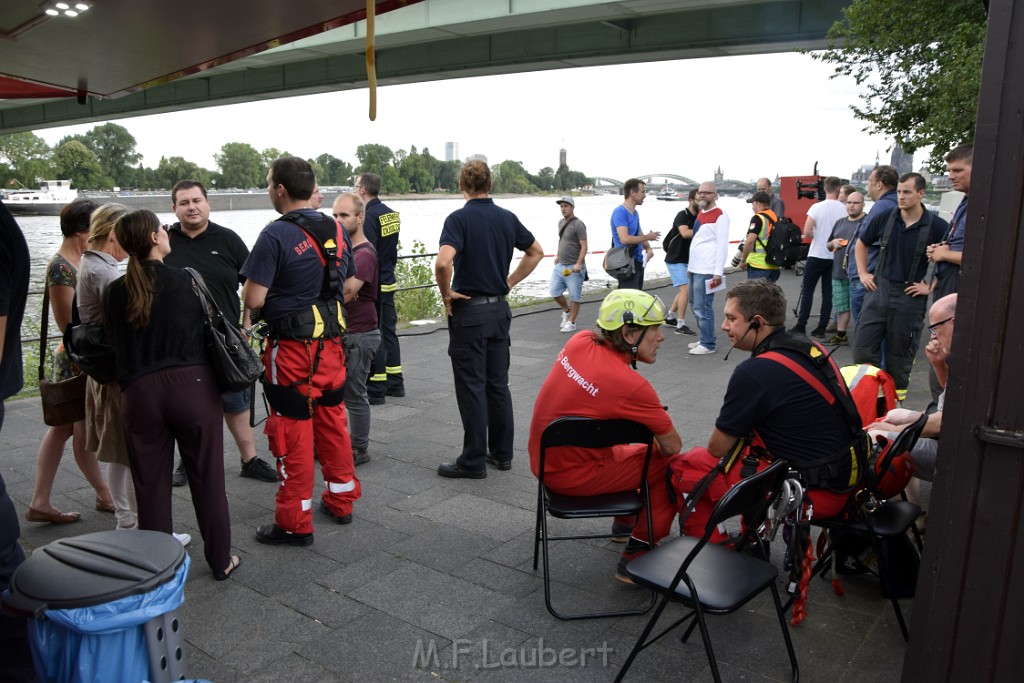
105, 607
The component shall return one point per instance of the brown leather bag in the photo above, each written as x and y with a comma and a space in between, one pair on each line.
63, 401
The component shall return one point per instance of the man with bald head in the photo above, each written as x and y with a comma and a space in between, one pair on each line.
775, 202
708, 253
842, 232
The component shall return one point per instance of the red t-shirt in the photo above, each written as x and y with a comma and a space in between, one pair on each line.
590, 380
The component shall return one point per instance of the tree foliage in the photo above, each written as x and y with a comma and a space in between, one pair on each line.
920, 61
25, 157
241, 165
115, 150
79, 163
106, 156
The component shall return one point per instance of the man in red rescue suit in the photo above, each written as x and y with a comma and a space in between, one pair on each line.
294, 277
788, 394
595, 376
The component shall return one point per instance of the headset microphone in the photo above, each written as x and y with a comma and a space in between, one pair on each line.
755, 324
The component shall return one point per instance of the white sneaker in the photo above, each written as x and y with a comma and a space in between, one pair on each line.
565, 319
700, 350
693, 345
184, 539
569, 327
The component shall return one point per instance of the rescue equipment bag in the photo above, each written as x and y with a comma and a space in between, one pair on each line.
783, 245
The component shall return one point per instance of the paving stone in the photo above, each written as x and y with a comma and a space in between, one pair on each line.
481, 515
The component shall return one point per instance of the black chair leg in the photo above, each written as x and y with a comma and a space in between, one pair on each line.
785, 632
641, 642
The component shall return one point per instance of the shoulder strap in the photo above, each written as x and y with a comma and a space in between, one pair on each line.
828, 382
325, 236
765, 221
885, 236
923, 233
44, 325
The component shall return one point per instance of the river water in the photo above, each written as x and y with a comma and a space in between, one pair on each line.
422, 220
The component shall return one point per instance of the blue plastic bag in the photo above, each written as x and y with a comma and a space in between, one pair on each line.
105, 642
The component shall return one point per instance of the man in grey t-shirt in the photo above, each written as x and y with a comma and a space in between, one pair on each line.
569, 270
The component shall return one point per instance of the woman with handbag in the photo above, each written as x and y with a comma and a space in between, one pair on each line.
169, 395
61, 277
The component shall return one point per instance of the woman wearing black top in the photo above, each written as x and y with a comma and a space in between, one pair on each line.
169, 394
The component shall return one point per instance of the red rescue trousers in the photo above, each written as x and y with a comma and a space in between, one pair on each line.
318, 365
700, 461
612, 474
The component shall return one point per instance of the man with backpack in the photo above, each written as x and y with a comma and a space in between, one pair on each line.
677, 260
753, 258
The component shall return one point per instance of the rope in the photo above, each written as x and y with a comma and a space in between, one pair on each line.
371, 68
800, 604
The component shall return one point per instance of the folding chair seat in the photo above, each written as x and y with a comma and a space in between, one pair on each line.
870, 515
715, 579
589, 433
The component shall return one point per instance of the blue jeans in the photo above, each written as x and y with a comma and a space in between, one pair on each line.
703, 309
769, 274
856, 297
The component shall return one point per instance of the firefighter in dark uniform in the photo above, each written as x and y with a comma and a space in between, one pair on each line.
381, 226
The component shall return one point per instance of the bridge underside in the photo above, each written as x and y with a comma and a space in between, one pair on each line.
441, 39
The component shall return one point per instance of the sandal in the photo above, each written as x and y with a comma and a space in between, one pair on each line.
232, 566
105, 507
55, 517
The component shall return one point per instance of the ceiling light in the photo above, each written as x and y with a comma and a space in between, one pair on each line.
72, 8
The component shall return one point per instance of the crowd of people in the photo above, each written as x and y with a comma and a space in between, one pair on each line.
319, 293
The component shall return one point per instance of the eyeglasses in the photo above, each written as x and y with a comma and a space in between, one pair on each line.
703, 192
935, 326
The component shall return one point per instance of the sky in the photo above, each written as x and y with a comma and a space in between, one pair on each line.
754, 116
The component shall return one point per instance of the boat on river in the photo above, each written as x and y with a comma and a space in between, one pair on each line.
47, 200
667, 194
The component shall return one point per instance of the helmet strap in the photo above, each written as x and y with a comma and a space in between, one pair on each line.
636, 345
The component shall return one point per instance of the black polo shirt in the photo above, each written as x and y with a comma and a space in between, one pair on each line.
218, 254
484, 236
900, 250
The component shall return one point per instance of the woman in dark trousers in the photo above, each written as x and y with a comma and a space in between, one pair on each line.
155, 320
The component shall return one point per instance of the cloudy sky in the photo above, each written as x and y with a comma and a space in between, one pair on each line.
753, 115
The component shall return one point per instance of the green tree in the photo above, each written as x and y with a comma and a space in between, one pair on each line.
510, 176
336, 171
115, 148
920, 61
268, 155
393, 183
172, 169
448, 175
26, 156
241, 165
416, 172
374, 158
79, 163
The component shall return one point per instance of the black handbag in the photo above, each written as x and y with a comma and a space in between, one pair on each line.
235, 363
63, 401
87, 345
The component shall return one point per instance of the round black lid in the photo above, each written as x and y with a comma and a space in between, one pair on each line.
93, 569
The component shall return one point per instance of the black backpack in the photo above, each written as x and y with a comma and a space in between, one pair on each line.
784, 243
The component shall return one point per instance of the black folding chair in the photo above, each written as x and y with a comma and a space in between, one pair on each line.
715, 579
589, 433
870, 515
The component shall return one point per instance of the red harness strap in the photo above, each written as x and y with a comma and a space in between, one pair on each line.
803, 373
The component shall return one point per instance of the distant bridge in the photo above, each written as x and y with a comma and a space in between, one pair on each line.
683, 183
